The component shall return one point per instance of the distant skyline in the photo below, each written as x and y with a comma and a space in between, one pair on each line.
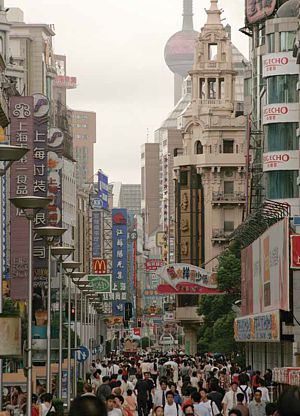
115, 49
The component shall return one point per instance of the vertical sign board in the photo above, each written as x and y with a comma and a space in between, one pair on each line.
40, 188
21, 184
120, 260
295, 251
103, 189
96, 234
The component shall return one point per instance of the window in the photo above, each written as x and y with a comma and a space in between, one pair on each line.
228, 187
198, 148
228, 146
271, 42
212, 92
261, 35
228, 226
184, 178
281, 136
287, 41
282, 184
248, 87
221, 88
143, 155
202, 94
212, 51
283, 89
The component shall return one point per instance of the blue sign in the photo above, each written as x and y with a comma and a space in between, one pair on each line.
119, 260
82, 354
103, 189
96, 234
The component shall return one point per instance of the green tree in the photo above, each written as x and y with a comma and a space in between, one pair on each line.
216, 334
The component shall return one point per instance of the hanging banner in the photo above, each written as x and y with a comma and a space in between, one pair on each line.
295, 251
257, 10
283, 160
281, 113
258, 328
187, 279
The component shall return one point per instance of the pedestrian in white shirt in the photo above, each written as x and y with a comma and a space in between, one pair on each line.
210, 405
230, 400
171, 408
247, 392
264, 391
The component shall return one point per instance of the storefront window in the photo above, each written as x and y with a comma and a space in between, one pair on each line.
287, 41
281, 136
282, 184
283, 89
271, 42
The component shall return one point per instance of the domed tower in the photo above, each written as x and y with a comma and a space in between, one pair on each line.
179, 50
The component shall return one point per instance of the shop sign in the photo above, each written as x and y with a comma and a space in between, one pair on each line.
153, 264
258, 328
281, 63
281, 113
186, 279
295, 251
137, 332
99, 266
257, 10
284, 160
101, 283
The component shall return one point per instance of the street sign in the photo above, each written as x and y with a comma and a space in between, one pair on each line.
82, 354
101, 283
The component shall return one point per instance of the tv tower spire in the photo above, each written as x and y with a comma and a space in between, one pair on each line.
188, 23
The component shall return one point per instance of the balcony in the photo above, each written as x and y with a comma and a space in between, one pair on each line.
220, 236
236, 198
188, 313
209, 160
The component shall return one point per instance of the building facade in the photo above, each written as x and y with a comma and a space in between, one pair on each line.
130, 198
210, 168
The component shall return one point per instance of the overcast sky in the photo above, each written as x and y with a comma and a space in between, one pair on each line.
115, 48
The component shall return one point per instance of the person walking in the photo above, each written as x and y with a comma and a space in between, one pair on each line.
230, 399
171, 408
243, 408
159, 398
257, 407
142, 394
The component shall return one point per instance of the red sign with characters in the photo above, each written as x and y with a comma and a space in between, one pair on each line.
295, 251
100, 266
137, 331
153, 264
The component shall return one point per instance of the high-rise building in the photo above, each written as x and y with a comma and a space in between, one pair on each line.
84, 134
150, 187
210, 167
130, 198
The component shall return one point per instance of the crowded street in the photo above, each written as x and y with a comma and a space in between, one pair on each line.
149, 208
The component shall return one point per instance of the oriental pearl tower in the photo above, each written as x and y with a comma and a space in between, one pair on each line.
179, 50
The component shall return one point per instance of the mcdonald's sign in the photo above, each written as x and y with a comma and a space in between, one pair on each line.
99, 266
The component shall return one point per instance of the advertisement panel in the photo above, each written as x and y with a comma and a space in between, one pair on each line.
21, 184
280, 113
186, 279
153, 264
63, 81
258, 328
103, 189
55, 166
10, 340
96, 234
257, 10
295, 251
99, 266
119, 260
280, 63
265, 271
101, 283
283, 160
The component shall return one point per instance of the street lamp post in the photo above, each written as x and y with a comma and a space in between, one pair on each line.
29, 205
61, 254
76, 277
8, 155
69, 267
50, 234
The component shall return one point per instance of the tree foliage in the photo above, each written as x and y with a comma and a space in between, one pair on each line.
216, 333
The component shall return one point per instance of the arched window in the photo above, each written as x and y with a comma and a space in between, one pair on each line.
198, 148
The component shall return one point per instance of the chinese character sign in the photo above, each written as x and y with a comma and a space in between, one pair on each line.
120, 260
55, 164
96, 234
21, 184
103, 189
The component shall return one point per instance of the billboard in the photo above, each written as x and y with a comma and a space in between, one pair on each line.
186, 279
258, 328
265, 272
99, 266
63, 81
295, 251
280, 113
100, 283
257, 10
283, 160
103, 189
21, 184
153, 264
119, 260
96, 234
280, 63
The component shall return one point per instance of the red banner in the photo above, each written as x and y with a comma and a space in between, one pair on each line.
137, 331
151, 265
295, 251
